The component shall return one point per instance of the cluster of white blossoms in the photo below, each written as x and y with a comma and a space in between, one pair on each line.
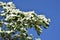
16, 20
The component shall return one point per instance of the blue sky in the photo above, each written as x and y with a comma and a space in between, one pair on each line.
50, 8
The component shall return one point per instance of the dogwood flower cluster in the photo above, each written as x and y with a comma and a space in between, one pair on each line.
16, 20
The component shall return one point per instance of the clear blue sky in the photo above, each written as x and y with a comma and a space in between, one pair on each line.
50, 8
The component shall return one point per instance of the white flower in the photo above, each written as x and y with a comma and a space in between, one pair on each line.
25, 24
2, 11
6, 8
23, 28
0, 28
11, 23
27, 18
41, 16
29, 37
2, 14
24, 34
29, 14
45, 19
37, 38
1, 3
49, 20
12, 15
9, 31
9, 3
6, 23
